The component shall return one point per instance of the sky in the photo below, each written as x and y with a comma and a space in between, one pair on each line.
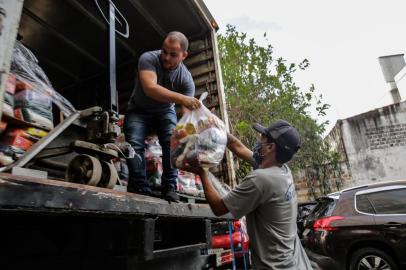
341, 39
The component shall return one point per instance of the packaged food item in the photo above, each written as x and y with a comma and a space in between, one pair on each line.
16, 139
5, 159
153, 149
8, 110
9, 99
11, 84
153, 161
188, 185
199, 140
26, 98
36, 132
35, 116
21, 132
11, 151
3, 126
23, 85
30, 76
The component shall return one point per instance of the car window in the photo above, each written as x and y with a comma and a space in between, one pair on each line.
304, 210
389, 201
364, 205
323, 208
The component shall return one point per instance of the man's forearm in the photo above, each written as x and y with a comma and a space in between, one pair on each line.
239, 149
162, 94
212, 196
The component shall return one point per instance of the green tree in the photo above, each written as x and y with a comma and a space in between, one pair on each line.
261, 88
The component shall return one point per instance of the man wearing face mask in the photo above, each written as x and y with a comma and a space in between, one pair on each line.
266, 197
163, 81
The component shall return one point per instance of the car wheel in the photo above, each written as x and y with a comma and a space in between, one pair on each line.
371, 259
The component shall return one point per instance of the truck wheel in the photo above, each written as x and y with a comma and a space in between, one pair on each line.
371, 259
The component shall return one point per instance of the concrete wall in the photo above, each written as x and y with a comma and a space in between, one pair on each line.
308, 188
375, 144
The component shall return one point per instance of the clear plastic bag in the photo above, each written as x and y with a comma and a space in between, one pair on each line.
25, 67
199, 140
221, 188
187, 183
153, 149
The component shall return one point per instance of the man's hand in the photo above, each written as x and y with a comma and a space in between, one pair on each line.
196, 170
212, 196
191, 103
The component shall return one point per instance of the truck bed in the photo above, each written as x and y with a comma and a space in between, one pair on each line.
27, 194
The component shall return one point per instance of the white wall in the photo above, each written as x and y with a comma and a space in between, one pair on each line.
376, 144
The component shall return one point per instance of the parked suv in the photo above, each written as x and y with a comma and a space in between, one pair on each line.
359, 228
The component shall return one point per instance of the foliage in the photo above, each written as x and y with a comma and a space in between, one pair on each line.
261, 88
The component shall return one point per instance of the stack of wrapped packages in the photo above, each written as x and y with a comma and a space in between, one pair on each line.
15, 141
188, 183
8, 104
32, 106
153, 161
199, 140
34, 92
23, 102
28, 97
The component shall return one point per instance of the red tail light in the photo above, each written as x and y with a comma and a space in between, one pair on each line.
324, 223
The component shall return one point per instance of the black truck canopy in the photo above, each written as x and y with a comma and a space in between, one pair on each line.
70, 39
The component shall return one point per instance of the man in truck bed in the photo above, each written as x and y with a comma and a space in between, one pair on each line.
163, 80
266, 197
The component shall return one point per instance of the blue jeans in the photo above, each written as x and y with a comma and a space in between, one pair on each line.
137, 125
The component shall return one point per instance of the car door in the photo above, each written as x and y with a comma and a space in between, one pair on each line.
389, 204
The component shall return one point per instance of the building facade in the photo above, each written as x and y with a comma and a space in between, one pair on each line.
373, 144
371, 147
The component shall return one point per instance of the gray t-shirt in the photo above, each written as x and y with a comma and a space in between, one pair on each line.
267, 198
179, 80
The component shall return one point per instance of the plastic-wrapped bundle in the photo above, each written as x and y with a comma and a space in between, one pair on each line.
153, 148
36, 115
25, 66
26, 98
190, 184
11, 84
199, 140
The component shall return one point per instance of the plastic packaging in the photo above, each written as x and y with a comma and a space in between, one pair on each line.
8, 110
11, 151
199, 140
26, 98
38, 133
153, 149
3, 127
9, 99
189, 184
217, 185
11, 84
5, 159
25, 67
17, 138
34, 116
